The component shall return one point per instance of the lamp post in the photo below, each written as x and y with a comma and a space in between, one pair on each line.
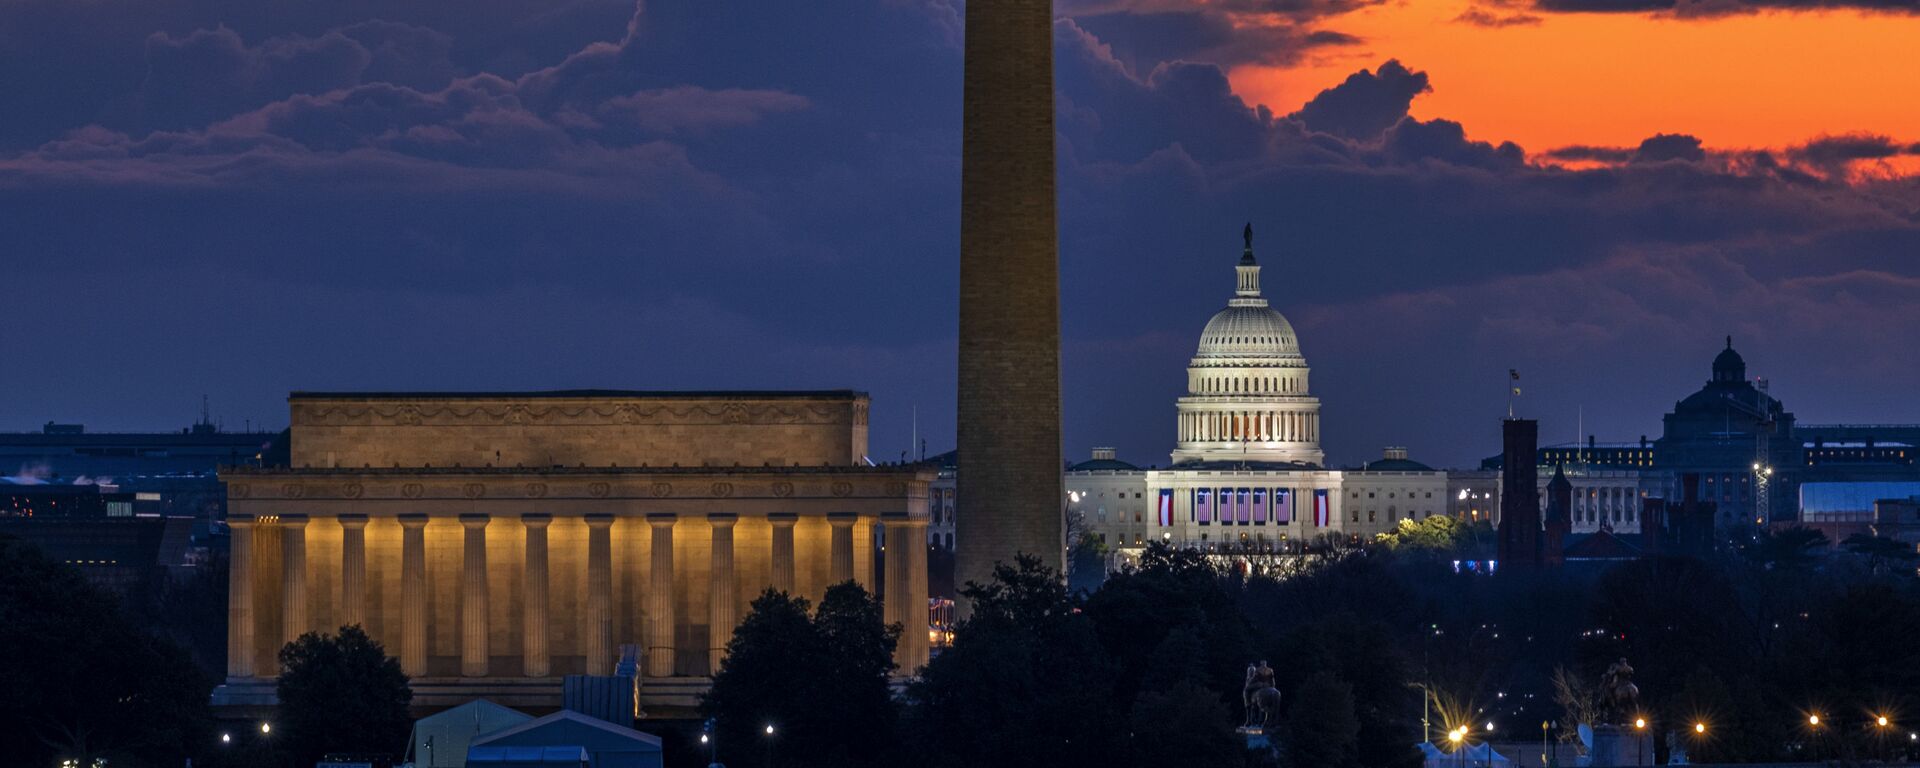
1813, 729
769, 733
1458, 736
712, 741
1640, 736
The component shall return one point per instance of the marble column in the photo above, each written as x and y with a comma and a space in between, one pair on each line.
240, 597
895, 548
473, 597
659, 625
722, 594
916, 621
534, 656
413, 594
293, 577
782, 558
841, 548
353, 570
598, 632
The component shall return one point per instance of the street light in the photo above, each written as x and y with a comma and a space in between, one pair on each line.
1700, 728
1813, 720
266, 727
226, 738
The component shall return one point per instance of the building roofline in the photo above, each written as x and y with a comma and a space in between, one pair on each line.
635, 394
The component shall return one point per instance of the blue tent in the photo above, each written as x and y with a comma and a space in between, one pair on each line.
527, 757
440, 740
605, 745
1470, 756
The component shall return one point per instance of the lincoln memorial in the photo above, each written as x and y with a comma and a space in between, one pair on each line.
497, 542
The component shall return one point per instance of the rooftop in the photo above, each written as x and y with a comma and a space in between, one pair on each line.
563, 394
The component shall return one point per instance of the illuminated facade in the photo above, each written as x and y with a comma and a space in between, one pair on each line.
498, 542
1247, 395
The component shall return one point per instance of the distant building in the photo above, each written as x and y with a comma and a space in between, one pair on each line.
497, 542
1247, 478
940, 502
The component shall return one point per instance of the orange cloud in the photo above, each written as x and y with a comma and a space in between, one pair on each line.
1760, 80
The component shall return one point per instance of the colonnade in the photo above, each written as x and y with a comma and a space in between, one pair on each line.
1258, 426
904, 587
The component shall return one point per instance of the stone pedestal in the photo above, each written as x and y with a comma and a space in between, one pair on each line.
1615, 746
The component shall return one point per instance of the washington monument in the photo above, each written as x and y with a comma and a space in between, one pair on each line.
1009, 486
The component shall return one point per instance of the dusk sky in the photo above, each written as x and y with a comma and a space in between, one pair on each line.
243, 198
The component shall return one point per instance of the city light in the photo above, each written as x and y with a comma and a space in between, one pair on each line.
1881, 720
1699, 727
226, 738
1813, 720
769, 729
1640, 722
266, 727
703, 738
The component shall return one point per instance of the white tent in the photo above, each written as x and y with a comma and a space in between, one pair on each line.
1470, 756
441, 740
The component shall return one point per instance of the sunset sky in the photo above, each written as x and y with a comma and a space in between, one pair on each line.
1768, 79
240, 199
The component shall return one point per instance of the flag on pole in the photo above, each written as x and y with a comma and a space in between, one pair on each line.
1513, 375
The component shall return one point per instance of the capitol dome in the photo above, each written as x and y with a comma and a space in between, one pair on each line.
1248, 332
1247, 398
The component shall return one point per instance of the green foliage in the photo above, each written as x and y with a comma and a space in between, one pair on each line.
341, 693
1437, 534
819, 679
1322, 730
81, 681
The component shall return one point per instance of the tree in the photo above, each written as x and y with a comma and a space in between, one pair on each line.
1176, 720
82, 682
1882, 554
1173, 589
1437, 534
820, 680
1321, 729
341, 693
1788, 549
1025, 683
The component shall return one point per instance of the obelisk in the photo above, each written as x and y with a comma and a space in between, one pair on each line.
1009, 477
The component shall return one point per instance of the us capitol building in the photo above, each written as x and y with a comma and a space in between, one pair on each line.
1247, 472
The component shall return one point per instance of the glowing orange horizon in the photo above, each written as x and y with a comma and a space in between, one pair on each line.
1761, 81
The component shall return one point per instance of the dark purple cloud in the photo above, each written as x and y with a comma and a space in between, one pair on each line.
1367, 104
399, 195
1494, 18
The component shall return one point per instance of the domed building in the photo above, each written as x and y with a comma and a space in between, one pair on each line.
1247, 395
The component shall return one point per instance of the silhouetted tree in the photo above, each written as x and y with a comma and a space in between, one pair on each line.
81, 682
820, 680
1321, 729
1176, 719
341, 693
1025, 683
1172, 589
